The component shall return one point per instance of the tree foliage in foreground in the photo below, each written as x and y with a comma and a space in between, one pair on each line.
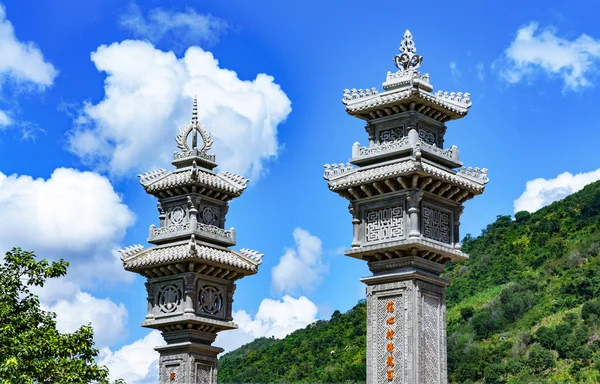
32, 350
524, 308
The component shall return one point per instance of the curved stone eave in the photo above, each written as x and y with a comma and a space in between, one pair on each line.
195, 265
215, 193
447, 188
429, 105
186, 319
419, 247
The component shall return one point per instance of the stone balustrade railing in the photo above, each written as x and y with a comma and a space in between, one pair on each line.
358, 94
170, 229
450, 153
458, 97
193, 152
174, 228
478, 173
382, 147
229, 234
409, 141
403, 74
336, 169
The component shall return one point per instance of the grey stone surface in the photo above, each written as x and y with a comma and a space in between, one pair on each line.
190, 270
406, 194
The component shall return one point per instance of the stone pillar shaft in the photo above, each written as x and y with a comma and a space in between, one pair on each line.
406, 327
188, 362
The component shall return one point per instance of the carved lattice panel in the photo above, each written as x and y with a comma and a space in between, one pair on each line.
436, 224
209, 215
172, 369
427, 136
390, 134
211, 300
384, 223
177, 215
430, 345
169, 298
204, 373
390, 339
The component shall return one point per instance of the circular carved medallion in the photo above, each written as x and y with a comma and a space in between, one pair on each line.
211, 300
169, 298
209, 216
177, 215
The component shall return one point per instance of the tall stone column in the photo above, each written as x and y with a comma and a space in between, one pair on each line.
190, 269
406, 194
406, 313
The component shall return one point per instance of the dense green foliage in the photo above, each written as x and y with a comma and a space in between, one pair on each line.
325, 351
31, 349
523, 308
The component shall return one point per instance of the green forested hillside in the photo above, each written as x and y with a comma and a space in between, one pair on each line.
524, 308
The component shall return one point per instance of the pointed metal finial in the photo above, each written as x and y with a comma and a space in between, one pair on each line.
195, 110
195, 123
407, 59
195, 129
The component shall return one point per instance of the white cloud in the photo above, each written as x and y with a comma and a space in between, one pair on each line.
22, 62
301, 269
147, 99
183, 28
541, 192
455, 73
136, 363
537, 50
75, 308
74, 215
480, 71
107, 318
4, 119
277, 318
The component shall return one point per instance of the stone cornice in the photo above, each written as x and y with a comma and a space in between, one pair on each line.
358, 176
443, 253
442, 106
167, 259
225, 186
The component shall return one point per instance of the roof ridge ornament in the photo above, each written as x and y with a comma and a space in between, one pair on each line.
194, 128
407, 60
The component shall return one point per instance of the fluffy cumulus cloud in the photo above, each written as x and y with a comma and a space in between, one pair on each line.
181, 28
75, 308
136, 363
4, 119
22, 62
301, 268
275, 318
23, 66
74, 215
541, 192
540, 50
480, 71
148, 97
455, 73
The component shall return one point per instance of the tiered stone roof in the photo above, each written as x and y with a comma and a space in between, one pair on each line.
190, 256
406, 90
192, 246
194, 169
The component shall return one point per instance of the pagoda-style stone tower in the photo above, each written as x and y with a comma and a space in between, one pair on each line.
191, 270
406, 199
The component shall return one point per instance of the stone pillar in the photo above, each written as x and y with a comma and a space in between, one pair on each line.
188, 362
355, 225
414, 198
406, 322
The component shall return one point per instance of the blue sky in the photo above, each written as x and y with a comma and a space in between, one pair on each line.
92, 93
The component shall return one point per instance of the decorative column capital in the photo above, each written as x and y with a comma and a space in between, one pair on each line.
415, 196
